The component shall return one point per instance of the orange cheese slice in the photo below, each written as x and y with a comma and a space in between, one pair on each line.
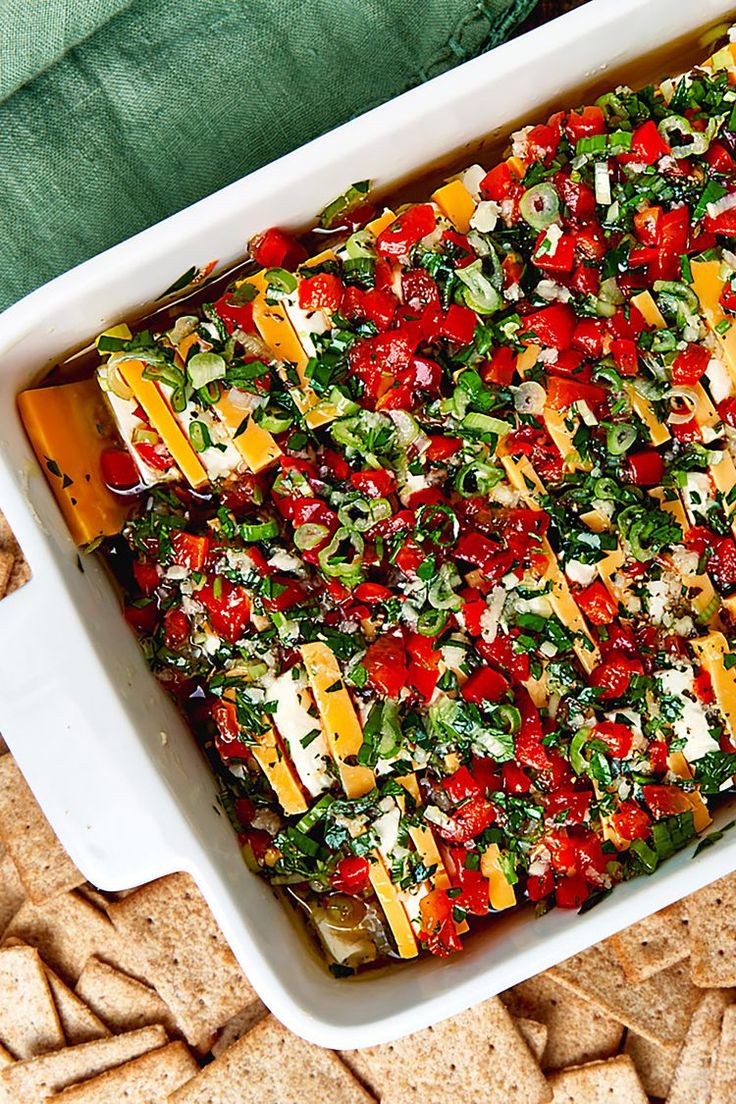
161, 417
255, 444
396, 914
711, 650
679, 765
708, 285
658, 431
649, 310
705, 597
378, 225
456, 203
564, 606
340, 722
275, 764
69, 427
500, 893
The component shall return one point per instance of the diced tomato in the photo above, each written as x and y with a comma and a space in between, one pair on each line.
424, 659
561, 260
625, 356
673, 230
563, 392
665, 801
406, 230
410, 557
146, 576
552, 326
488, 556
630, 821
419, 289
190, 551
614, 675
499, 183
500, 652
376, 483
618, 738
287, 593
657, 753
597, 604
647, 145
459, 324
372, 593
645, 468
542, 142
118, 469
176, 628
385, 662
687, 431
321, 292
460, 785
142, 618
468, 821
474, 896
485, 684
570, 893
566, 805
351, 875
228, 607
514, 778
585, 123
277, 248
378, 360
439, 928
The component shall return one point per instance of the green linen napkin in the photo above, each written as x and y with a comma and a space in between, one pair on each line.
115, 114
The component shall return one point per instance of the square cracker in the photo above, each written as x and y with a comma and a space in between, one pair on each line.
238, 1026
272, 1065
724, 1081
712, 927
180, 949
67, 931
534, 1035
477, 1055
654, 1063
149, 1079
29, 1022
78, 1022
658, 1008
693, 1075
578, 1032
43, 865
7, 563
120, 1000
12, 893
614, 1081
654, 943
38, 1078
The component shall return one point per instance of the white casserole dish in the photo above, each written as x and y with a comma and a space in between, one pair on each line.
105, 752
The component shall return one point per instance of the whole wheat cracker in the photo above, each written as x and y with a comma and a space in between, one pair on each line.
693, 1076
68, 930
12, 893
724, 1080
37, 1078
577, 1031
239, 1025
613, 1081
534, 1035
479, 1053
654, 943
270, 1064
658, 1008
43, 865
121, 1001
182, 952
78, 1022
29, 1022
150, 1079
654, 1063
712, 932
7, 563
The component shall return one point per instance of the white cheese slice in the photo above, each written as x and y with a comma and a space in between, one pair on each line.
294, 723
692, 726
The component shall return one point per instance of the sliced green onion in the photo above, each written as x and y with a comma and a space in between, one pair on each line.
315, 814
540, 205
477, 478
612, 107
619, 439
441, 594
509, 717
281, 283
485, 423
309, 535
204, 368
698, 141
360, 245
372, 509
431, 621
275, 421
199, 435
578, 762
259, 530
350, 198
479, 293
332, 560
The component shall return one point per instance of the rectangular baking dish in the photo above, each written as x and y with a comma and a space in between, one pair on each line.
105, 752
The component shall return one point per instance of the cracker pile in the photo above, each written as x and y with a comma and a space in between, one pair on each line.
14, 570
137, 997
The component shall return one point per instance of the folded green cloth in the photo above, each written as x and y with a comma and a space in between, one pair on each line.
114, 115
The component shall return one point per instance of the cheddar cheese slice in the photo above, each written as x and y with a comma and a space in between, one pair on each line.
649, 310
396, 914
705, 599
456, 203
69, 427
500, 893
679, 765
339, 719
708, 285
378, 225
255, 444
712, 650
658, 431
162, 419
564, 607
275, 764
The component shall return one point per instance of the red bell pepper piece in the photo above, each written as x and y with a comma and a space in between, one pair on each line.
665, 801
561, 260
585, 123
719, 159
378, 305
485, 684
577, 196
630, 821
189, 550
728, 296
625, 355
721, 553
321, 292
228, 607
277, 248
176, 628
530, 751
146, 576
439, 929
597, 604
385, 662
647, 145
235, 317
552, 326
689, 365
499, 183
118, 470
372, 593
501, 367
442, 448
514, 779
645, 468
571, 892
618, 738
500, 652
376, 483
459, 324
142, 618
588, 337
614, 675
562, 393
351, 875
646, 224
377, 361
406, 230
725, 223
